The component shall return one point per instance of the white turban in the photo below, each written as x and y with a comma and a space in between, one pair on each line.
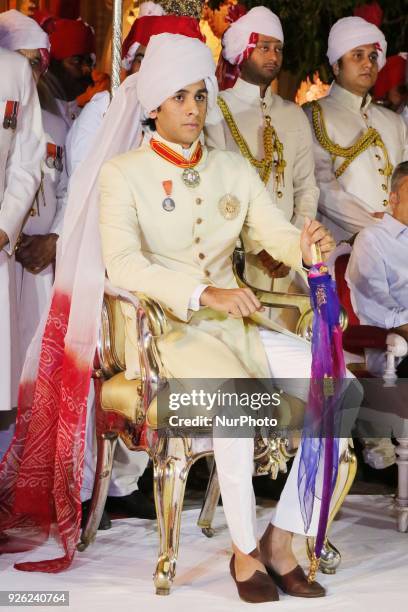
351, 32
150, 8
17, 31
171, 62
259, 20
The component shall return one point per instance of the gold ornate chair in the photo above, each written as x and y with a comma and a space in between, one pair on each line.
128, 410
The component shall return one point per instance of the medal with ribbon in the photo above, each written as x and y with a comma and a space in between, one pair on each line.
10, 114
54, 156
190, 176
168, 203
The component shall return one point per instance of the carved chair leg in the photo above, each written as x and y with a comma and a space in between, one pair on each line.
330, 557
212, 496
402, 496
106, 445
171, 465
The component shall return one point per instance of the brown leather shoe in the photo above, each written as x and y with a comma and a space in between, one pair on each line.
295, 583
257, 589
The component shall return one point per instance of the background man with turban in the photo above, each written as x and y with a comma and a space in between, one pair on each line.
391, 88
356, 145
86, 125
72, 59
170, 215
353, 172
273, 129
21, 151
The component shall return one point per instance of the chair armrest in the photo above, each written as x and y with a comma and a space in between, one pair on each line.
397, 346
275, 299
272, 299
151, 323
359, 337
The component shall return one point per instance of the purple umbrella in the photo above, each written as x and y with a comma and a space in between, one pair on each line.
320, 448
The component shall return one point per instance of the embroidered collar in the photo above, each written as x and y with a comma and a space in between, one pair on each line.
348, 99
176, 154
251, 93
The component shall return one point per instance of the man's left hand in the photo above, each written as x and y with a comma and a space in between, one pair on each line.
36, 253
315, 233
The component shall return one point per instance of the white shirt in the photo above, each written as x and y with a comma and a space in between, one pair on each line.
377, 275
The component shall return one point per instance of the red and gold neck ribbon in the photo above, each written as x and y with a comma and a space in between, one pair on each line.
175, 158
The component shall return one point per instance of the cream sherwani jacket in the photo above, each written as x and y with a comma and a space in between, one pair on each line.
166, 255
346, 203
21, 152
299, 195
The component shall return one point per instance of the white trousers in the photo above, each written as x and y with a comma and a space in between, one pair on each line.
289, 358
128, 465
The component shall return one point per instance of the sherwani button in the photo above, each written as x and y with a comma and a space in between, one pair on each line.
199, 221
201, 255
207, 272
197, 240
199, 201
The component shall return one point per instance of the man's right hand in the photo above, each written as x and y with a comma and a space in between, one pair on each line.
4, 239
237, 303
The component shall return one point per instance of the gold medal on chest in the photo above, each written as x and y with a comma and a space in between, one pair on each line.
190, 177
229, 207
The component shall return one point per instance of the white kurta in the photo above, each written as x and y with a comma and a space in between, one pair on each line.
299, 194
47, 215
20, 163
346, 203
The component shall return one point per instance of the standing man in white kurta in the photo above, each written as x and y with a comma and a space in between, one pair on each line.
20, 163
37, 248
170, 233
269, 131
356, 142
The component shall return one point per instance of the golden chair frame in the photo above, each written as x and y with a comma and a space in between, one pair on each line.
172, 457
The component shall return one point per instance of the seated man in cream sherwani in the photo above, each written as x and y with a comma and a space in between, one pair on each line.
272, 133
168, 230
357, 142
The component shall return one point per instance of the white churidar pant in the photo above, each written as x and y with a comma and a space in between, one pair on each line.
289, 358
